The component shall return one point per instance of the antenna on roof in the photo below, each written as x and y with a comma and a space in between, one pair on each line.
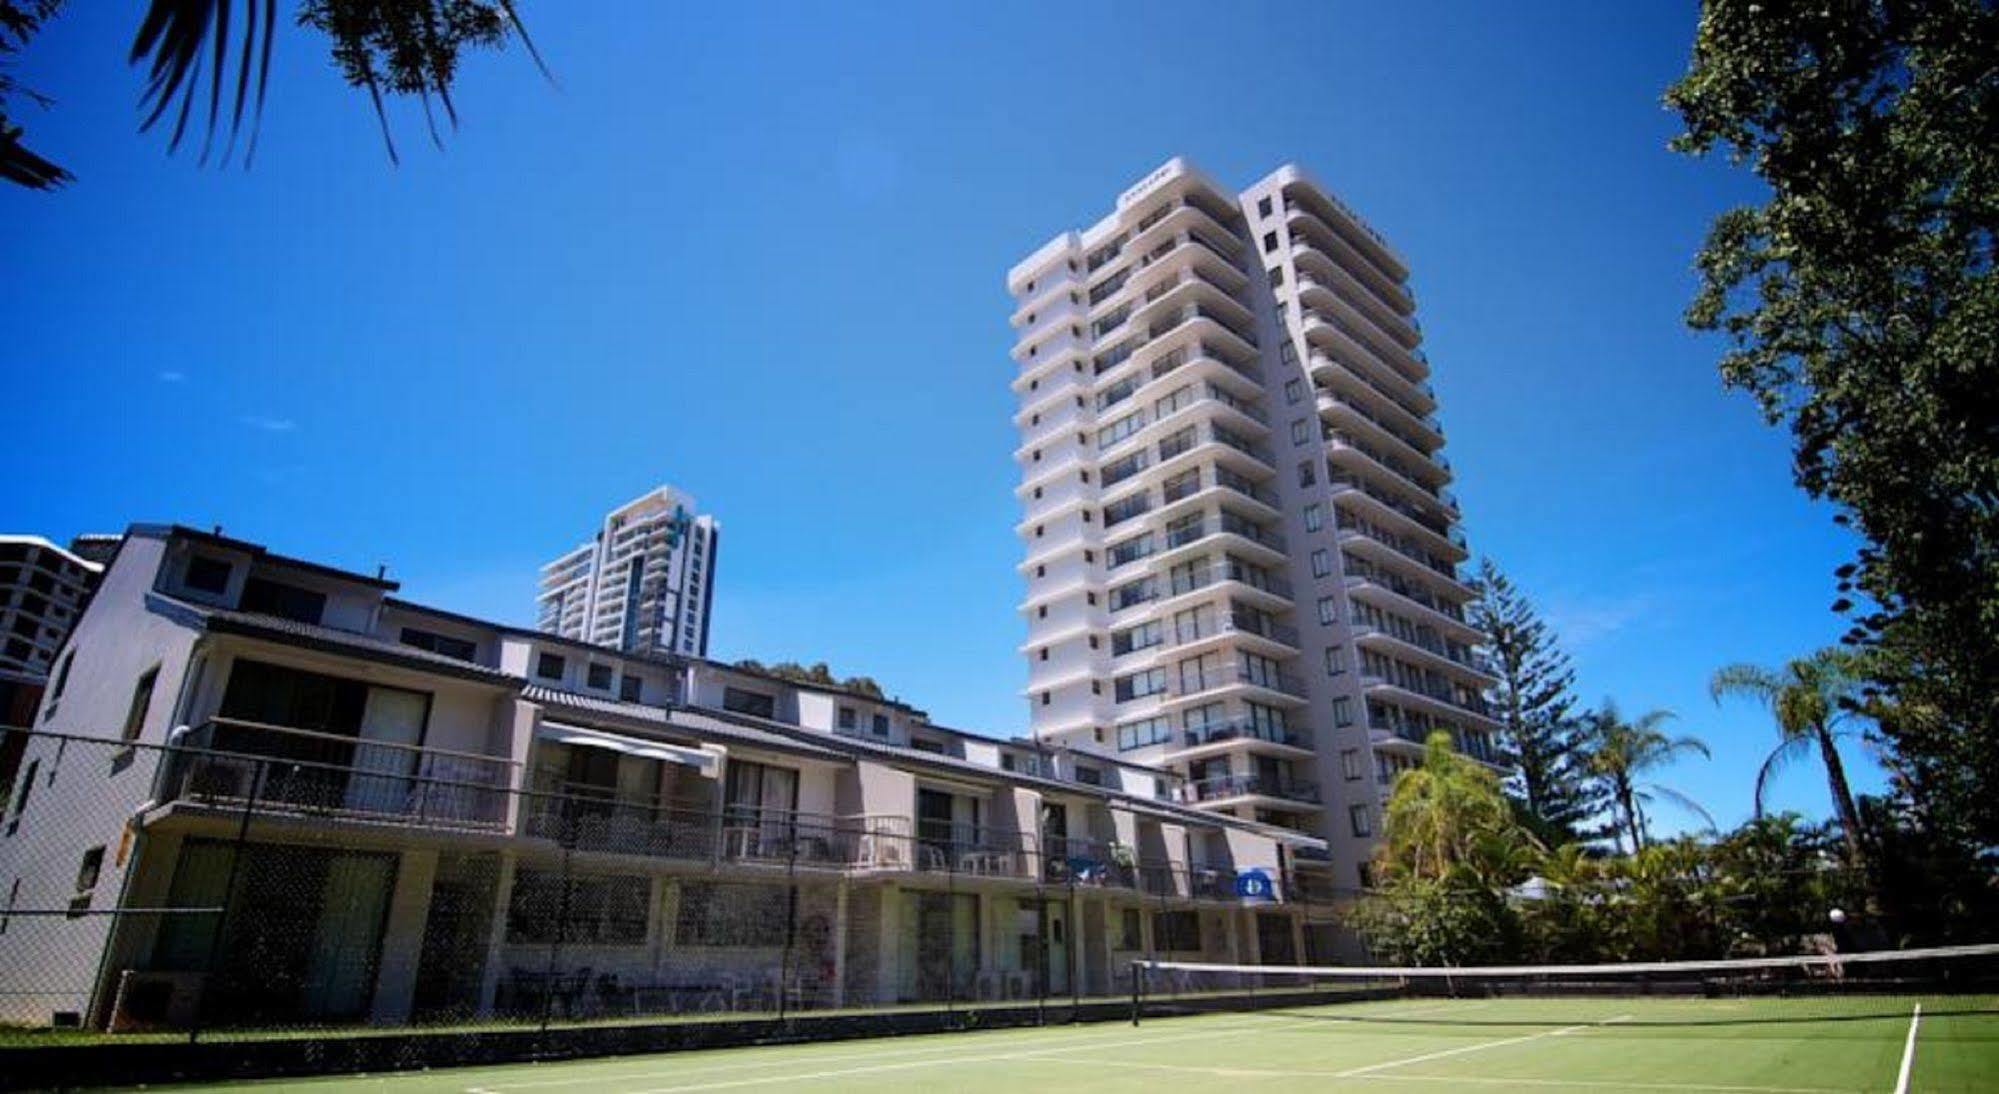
381, 570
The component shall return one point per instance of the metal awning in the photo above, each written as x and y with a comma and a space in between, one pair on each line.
707, 763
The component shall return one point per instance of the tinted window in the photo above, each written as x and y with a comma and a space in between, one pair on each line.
269, 597
549, 666
210, 575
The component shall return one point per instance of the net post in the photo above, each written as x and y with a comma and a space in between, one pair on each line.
1137, 990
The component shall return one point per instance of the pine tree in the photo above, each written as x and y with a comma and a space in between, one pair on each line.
1544, 738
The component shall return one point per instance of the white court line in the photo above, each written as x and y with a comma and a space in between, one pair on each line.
1354, 1072
1909, 1051
1604, 1084
842, 1057
799, 1077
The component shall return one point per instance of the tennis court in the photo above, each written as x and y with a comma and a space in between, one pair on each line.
1800, 1045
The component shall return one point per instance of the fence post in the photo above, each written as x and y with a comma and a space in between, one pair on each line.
561, 927
790, 921
258, 770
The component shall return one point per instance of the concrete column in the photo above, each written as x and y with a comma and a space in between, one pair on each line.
402, 939
888, 958
496, 934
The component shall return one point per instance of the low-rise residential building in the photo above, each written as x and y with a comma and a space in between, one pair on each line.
262, 791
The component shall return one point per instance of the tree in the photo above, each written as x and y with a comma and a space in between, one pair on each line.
1861, 304
1806, 697
819, 674
1547, 746
208, 64
1452, 851
1623, 753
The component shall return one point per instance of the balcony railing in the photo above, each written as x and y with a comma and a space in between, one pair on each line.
243, 765
1236, 786
1237, 729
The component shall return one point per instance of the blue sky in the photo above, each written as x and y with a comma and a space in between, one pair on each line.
758, 251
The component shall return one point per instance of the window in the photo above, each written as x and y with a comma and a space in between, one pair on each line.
1307, 473
849, 718
207, 574
630, 688
1336, 660
1299, 433
1269, 242
1130, 932
443, 644
600, 676
1322, 562
1148, 731
1327, 613
22, 795
749, 702
86, 880
550, 666
1350, 763
62, 681
1133, 639
267, 597
1138, 685
1342, 711
1362, 821
1176, 932
142, 699
602, 911
722, 914
1276, 276
1315, 517
1089, 776
1263, 207
881, 725
1294, 390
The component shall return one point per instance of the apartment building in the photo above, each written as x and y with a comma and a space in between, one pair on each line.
643, 583
313, 801
1240, 550
42, 590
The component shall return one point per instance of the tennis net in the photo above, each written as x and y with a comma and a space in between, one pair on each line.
1829, 985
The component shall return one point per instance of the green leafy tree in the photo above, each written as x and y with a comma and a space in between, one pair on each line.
1861, 304
208, 64
1452, 851
1543, 740
818, 673
1624, 753
1812, 699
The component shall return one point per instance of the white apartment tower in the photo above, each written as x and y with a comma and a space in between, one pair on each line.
1241, 560
645, 583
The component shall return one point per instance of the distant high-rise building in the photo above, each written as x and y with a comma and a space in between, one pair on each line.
644, 583
1241, 558
43, 589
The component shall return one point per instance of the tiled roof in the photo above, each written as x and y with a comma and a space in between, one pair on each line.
312, 635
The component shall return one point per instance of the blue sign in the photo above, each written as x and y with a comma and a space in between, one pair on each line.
1254, 885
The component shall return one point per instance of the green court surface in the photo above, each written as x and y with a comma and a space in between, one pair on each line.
1720, 1046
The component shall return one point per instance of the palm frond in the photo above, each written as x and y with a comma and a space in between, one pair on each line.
1788, 751
1744, 681
1684, 802
186, 43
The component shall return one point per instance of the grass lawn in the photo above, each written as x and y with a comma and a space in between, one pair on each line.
1724, 1046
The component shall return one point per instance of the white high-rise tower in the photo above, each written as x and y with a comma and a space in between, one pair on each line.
1241, 560
644, 583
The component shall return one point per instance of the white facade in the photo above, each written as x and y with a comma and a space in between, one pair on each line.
1240, 555
42, 591
644, 583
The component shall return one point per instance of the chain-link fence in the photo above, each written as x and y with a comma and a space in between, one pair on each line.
241, 883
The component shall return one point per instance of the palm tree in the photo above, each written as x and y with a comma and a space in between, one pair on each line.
1622, 753
1808, 697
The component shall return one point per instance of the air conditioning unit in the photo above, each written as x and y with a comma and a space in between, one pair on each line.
155, 1000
